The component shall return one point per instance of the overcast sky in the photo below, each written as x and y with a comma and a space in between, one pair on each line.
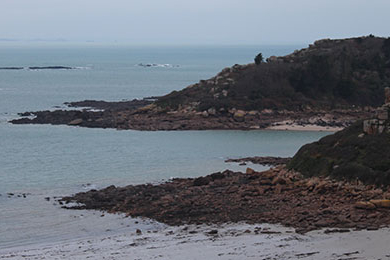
193, 21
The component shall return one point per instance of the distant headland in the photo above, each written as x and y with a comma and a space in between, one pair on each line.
328, 85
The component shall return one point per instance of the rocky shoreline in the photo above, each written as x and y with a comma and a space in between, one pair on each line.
144, 115
276, 196
266, 161
310, 87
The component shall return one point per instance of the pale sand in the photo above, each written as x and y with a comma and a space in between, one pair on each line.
290, 126
231, 242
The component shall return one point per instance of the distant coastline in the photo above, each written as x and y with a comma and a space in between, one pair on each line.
311, 88
40, 68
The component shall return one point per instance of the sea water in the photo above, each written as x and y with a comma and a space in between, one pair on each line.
39, 162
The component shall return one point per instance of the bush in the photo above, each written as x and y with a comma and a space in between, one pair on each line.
259, 58
386, 47
345, 155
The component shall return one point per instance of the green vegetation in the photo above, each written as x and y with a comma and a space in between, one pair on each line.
329, 74
259, 59
347, 155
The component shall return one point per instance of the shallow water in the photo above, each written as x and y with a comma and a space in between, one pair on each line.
45, 161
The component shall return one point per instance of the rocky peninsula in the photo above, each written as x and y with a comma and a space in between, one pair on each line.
274, 196
340, 182
332, 83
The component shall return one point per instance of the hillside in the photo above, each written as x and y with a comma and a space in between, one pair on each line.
330, 84
328, 74
361, 151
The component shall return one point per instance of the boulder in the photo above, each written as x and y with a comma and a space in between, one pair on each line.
212, 111
250, 171
382, 114
267, 111
364, 205
239, 115
381, 203
370, 126
76, 121
278, 180
272, 59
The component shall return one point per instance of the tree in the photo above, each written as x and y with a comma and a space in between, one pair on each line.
259, 58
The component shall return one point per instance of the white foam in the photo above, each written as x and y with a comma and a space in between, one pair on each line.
157, 65
82, 68
89, 186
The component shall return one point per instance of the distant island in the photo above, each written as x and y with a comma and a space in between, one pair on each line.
330, 84
39, 68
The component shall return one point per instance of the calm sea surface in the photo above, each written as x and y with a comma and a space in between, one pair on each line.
44, 161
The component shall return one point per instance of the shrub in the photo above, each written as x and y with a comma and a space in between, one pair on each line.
259, 58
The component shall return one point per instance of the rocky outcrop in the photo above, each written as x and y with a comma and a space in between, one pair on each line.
51, 68
136, 115
273, 196
39, 68
267, 160
11, 68
113, 106
361, 151
380, 122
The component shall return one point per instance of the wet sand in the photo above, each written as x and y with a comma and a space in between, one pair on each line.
227, 241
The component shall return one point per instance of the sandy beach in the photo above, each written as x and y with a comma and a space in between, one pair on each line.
227, 241
291, 126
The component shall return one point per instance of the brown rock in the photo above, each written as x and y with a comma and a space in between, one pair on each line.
267, 175
321, 187
312, 182
364, 205
381, 203
278, 180
323, 223
250, 171
239, 115
253, 112
234, 196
